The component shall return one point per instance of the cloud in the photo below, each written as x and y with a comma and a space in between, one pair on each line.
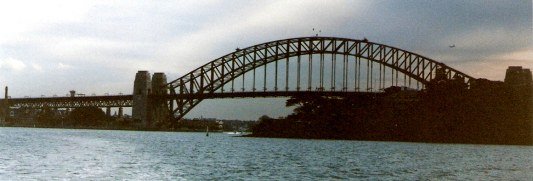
486, 41
250, 25
494, 67
11, 64
37, 67
524, 55
63, 66
117, 38
25, 16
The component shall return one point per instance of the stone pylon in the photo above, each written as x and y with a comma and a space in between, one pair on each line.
158, 104
4, 111
150, 106
142, 87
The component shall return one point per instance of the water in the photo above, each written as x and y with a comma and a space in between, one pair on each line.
58, 154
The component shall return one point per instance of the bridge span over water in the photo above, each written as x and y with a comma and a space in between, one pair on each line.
127, 100
313, 66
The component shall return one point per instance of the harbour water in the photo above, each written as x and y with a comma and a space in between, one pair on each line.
58, 154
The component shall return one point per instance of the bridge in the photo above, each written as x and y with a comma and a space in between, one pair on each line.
314, 66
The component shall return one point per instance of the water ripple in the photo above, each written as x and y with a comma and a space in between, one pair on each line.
57, 154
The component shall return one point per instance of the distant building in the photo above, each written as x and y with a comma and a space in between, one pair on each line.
485, 84
520, 81
518, 77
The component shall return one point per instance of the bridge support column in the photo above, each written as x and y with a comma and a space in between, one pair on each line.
149, 104
141, 90
108, 111
5, 108
120, 112
157, 103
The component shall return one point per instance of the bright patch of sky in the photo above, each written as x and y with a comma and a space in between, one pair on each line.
51, 47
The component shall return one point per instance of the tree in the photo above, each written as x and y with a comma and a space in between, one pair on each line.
47, 118
87, 116
264, 118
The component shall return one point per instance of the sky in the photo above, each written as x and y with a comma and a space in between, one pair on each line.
96, 47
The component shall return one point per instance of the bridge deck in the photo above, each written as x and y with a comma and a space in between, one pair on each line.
127, 100
72, 102
267, 94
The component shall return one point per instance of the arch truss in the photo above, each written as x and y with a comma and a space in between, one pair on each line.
219, 75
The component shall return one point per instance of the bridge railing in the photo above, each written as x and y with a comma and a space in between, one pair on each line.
71, 102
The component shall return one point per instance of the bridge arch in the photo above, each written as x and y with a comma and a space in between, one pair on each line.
216, 74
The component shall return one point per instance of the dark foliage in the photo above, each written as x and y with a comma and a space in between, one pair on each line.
444, 113
47, 118
87, 117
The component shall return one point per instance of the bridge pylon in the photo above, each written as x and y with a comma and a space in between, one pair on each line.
158, 105
4, 108
149, 106
141, 89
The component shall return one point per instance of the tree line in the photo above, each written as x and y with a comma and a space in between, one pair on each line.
443, 113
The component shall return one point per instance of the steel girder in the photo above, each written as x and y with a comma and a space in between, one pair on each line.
226, 95
72, 102
214, 75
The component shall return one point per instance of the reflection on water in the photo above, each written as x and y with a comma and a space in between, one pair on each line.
115, 155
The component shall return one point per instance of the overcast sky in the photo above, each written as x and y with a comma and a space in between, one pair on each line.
51, 47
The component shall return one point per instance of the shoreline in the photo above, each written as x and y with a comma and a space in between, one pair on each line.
251, 135
388, 140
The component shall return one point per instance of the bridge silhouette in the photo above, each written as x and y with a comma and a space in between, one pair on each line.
305, 66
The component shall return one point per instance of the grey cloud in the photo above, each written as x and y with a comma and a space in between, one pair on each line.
115, 40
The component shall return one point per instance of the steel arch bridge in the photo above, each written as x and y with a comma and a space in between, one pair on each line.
338, 58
